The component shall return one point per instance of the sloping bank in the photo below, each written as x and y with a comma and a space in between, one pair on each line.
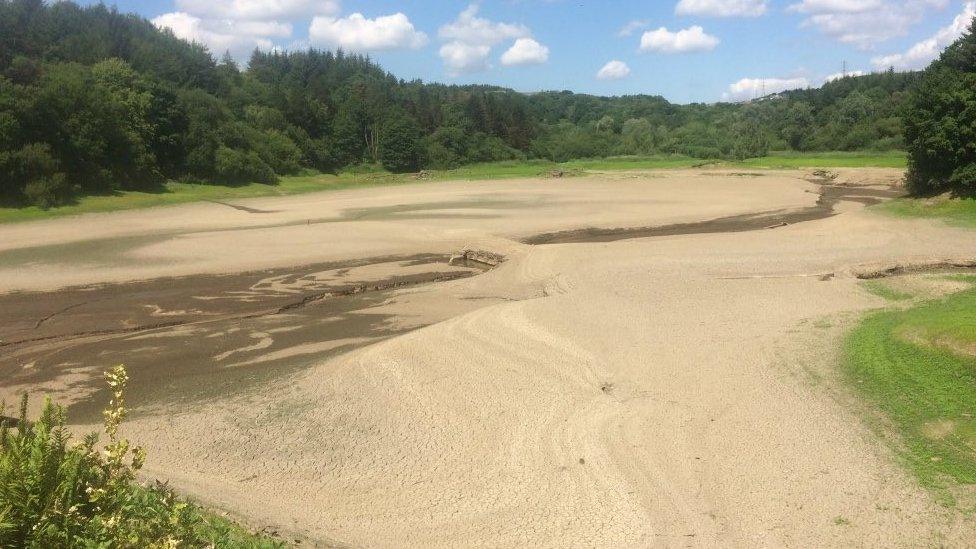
916, 365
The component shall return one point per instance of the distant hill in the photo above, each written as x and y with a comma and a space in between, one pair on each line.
93, 100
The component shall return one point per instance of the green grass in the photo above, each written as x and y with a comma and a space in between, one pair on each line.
962, 278
173, 193
885, 291
636, 163
955, 211
888, 159
914, 365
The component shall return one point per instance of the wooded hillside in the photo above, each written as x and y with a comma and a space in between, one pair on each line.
93, 100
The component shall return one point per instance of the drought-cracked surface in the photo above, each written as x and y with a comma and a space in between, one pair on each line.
315, 364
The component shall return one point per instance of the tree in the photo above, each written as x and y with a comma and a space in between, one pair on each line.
940, 125
749, 139
799, 123
400, 145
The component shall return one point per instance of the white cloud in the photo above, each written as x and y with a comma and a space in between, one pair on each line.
468, 41
471, 29
864, 23
926, 51
752, 88
693, 39
840, 75
633, 26
357, 33
459, 57
525, 51
614, 70
722, 8
240, 26
237, 37
258, 9
836, 6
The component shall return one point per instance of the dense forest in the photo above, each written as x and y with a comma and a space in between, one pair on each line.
940, 123
93, 100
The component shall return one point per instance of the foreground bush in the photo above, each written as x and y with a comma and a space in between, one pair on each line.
59, 493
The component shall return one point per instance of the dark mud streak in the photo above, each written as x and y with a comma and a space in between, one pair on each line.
390, 284
242, 208
830, 195
947, 266
68, 337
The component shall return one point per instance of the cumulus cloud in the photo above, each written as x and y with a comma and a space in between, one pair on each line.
237, 37
470, 38
460, 58
864, 23
258, 9
525, 51
926, 51
839, 75
471, 29
692, 39
358, 33
240, 26
752, 88
722, 8
614, 70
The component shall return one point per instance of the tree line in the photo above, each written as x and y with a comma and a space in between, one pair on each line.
93, 101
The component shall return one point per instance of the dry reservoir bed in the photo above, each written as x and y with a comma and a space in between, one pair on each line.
638, 372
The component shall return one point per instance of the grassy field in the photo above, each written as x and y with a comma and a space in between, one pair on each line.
957, 211
181, 193
918, 367
890, 159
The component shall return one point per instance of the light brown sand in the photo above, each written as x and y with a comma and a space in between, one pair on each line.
668, 391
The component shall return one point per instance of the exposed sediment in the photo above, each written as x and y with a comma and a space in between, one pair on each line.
656, 393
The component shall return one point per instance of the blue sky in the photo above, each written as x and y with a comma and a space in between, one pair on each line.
685, 50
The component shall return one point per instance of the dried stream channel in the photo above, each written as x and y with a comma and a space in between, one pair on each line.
830, 195
197, 337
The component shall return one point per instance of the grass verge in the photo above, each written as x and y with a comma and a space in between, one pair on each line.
173, 193
960, 212
918, 367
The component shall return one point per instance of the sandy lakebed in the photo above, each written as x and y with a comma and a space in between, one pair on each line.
644, 368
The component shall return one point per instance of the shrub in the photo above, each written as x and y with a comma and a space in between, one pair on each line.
233, 166
44, 191
400, 147
55, 493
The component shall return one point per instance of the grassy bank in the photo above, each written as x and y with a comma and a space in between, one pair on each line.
180, 193
955, 211
917, 366
888, 159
